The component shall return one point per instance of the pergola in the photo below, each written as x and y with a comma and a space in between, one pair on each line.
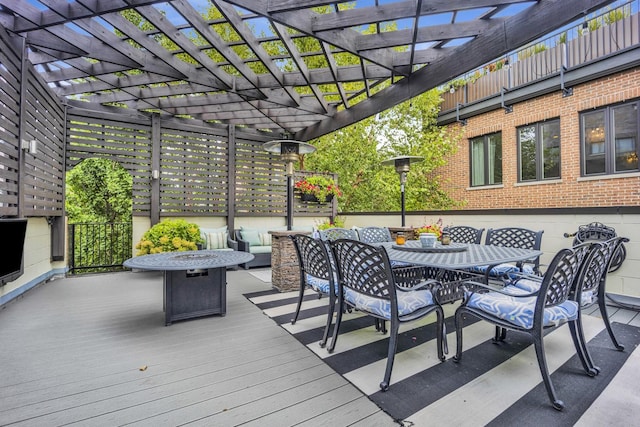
301, 68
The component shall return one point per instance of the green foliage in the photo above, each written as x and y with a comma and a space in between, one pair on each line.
337, 223
532, 50
98, 190
170, 235
355, 153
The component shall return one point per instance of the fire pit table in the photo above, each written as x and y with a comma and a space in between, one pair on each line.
195, 282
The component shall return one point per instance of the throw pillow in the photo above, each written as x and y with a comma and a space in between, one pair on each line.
217, 240
265, 239
252, 236
204, 234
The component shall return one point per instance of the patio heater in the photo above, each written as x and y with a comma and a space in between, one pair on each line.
402, 164
289, 151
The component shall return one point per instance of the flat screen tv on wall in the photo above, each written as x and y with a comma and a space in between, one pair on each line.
13, 231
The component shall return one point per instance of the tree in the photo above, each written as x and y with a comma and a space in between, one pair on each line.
355, 153
98, 190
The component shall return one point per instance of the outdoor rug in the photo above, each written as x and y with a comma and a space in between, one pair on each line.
264, 275
493, 384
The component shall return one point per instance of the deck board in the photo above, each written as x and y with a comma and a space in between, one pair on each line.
94, 350
72, 350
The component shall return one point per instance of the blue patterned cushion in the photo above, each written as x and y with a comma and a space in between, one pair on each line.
396, 264
529, 285
503, 269
318, 284
408, 302
498, 270
519, 311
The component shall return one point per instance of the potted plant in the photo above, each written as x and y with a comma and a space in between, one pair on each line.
317, 188
170, 235
435, 228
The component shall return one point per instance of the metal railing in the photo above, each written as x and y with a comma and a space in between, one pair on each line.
99, 248
612, 30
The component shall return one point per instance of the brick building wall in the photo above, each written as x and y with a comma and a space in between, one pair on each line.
570, 190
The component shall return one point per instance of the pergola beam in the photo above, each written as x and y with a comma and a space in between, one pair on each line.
524, 27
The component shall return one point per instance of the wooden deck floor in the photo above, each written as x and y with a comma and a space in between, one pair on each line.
94, 351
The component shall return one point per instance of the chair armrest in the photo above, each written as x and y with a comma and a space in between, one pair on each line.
232, 243
484, 287
430, 284
521, 275
243, 245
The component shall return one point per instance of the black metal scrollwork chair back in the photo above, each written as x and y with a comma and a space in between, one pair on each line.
599, 232
336, 233
514, 237
374, 234
368, 285
379, 235
532, 312
317, 273
465, 234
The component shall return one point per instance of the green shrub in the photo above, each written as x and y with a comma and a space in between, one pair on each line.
170, 235
337, 223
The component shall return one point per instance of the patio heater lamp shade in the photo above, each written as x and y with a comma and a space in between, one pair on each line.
289, 151
402, 165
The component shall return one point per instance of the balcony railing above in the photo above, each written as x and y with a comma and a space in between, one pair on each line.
604, 35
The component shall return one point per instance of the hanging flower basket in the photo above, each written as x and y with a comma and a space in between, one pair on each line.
308, 197
317, 188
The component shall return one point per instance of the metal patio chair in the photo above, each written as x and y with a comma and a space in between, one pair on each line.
368, 285
599, 232
532, 312
336, 233
374, 234
316, 273
513, 237
464, 234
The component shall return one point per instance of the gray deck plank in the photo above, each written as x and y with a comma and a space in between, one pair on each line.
71, 352
355, 412
74, 347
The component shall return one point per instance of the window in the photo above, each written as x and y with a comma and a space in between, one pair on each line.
486, 160
539, 151
610, 140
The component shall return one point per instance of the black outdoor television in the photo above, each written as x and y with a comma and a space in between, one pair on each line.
12, 233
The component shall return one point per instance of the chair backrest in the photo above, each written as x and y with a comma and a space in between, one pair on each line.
465, 234
336, 233
313, 257
561, 278
365, 269
593, 231
599, 264
600, 232
516, 237
374, 234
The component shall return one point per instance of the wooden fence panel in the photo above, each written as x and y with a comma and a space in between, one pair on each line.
261, 185
193, 165
44, 170
10, 65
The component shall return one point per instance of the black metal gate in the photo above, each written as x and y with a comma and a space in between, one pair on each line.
98, 248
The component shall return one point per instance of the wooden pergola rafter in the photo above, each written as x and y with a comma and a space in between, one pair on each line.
297, 67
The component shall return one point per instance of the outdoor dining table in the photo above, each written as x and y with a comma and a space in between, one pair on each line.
453, 264
194, 282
